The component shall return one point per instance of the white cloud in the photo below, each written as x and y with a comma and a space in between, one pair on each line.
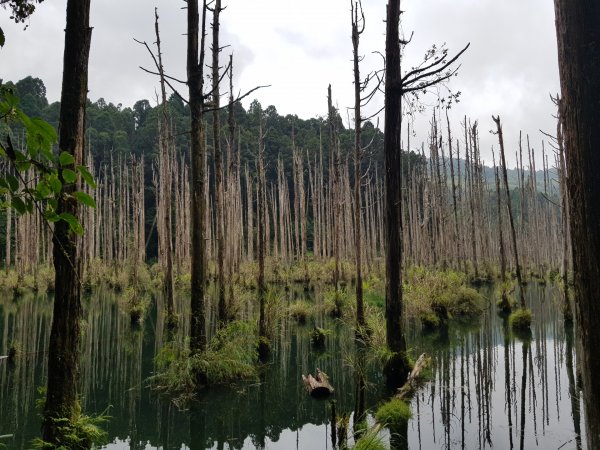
301, 47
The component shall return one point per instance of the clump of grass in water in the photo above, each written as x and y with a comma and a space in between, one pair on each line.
520, 319
444, 294
370, 440
80, 433
336, 301
317, 337
230, 356
393, 413
300, 311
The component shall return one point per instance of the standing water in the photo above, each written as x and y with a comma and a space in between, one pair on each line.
488, 388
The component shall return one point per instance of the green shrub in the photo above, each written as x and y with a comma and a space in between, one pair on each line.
520, 319
300, 311
393, 413
230, 356
370, 440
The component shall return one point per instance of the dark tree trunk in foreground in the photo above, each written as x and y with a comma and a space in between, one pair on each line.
357, 29
65, 336
220, 207
397, 368
578, 34
195, 69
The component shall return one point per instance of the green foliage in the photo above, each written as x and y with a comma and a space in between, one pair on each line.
370, 440
80, 432
336, 302
393, 412
520, 319
54, 173
317, 337
444, 294
301, 311
230, 356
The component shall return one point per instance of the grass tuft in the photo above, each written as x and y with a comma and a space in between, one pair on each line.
393, 413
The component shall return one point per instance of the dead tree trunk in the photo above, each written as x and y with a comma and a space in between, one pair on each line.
219, 206
195, 80
263, 343
510, 214
358, 26
578, 33
397, 367
65, 335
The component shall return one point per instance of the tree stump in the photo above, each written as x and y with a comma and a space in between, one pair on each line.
317, 386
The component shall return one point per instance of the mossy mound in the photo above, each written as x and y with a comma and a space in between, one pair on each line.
393, 413
520, 319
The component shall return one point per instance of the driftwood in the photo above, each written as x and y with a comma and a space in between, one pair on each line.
410, 387
317, 386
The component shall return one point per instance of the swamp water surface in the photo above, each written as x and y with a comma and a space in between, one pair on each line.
489, 388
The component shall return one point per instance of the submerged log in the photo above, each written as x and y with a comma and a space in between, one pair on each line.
317, 386
414, 378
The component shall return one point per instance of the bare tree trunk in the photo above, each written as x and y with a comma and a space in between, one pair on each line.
263, 343
397, 368
578, 33
65, 335
357, 29
510, 214
165, 189
195, 75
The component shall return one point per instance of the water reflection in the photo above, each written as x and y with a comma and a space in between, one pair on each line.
489, 387
495, 387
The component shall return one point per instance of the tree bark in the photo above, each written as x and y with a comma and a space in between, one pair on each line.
65, 335
195, 74
356, 32
396, 369
578, 34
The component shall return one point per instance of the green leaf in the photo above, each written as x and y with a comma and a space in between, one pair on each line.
40, 135
54, 184
74, 224
13, 183
51, 216
66, 158
18, 205
43, 189
87, 176
69, 175
22, 166
2, 39
84, 199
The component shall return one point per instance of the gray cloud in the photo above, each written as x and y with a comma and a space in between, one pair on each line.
301, 47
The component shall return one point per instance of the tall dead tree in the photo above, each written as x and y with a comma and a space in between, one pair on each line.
165, 187
578, 35
263, 343
358, 27
510, 213
431, 72
196, 34
65, 334
219, 206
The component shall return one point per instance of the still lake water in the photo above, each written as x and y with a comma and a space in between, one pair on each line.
489, 387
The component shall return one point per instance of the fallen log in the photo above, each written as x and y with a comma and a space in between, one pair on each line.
414, 378
319, 385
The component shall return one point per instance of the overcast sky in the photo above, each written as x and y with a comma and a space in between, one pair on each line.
299, 47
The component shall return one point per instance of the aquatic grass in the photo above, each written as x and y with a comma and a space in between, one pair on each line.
370, 440
230, 356
393, 413
520, 319
81, 432
301, 311
336, 302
